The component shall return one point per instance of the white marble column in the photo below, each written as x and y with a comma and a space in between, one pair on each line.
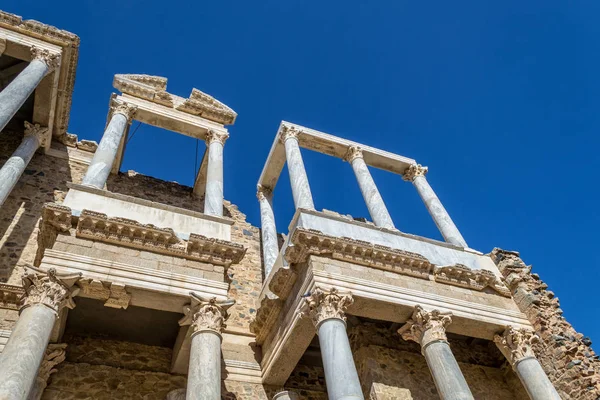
13, 168
55, 354
327, 309
298, 178
268, 228
213, 198
516, 345
206, 316
104, 157
375, 205
46, 293
416, 174
16, 93
286, 395
428, 328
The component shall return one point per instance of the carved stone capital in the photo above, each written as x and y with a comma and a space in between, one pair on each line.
516, 344
36, 130
263, 192
55, 354
321, 305
49, 288
426, 327
214, 136
414, 171
52, 60
125, 109
353, 153
206, 314
288, 132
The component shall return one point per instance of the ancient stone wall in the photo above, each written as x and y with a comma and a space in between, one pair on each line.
565, 354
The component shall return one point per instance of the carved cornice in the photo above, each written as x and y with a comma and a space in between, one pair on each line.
52, 60
320, 305
37, 131
49, 289
205, 314
414, 171
353, 153
288, 132
125, 109
516, 344
130, 233
426, 327
310, 242
57, 216
263, 192
463, 276
114, 295
55, 354
10, 296
214, 136
266, 317
153, 88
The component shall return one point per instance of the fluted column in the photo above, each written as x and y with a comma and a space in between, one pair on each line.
375, 205
16, 93
207, 316
327, 309
13, 168
428, 328
104, 157
55, 354
213, 198
298, 178
286, 395
416, 174
46, 293
516, 345
268, 228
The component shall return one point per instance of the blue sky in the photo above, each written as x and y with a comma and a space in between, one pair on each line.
500, 100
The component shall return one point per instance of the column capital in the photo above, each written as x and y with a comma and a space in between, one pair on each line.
288, 132
516, 344
353, 153
128, 110
205, 314
214, 136
52, 60
414, 171
426, 327
36, 130
321, 305
263, 192
55, 354
49, 289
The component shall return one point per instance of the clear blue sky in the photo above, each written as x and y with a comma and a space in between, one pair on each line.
501, 101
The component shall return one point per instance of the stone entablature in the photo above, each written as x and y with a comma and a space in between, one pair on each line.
10, 296
463, 276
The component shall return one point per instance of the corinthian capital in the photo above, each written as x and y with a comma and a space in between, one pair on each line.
353, 153
214, 136
426, 327
516, 344
414, 171
52, 60
263, 192
288, 132
37, 131
320, 305
49, 288
206, 314
55, 354
125, 109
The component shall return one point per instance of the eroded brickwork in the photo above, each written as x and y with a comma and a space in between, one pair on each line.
565, 354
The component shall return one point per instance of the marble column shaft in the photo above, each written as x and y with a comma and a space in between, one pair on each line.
18, 91
13, 168
416, 174
204, 373
377, 209
298, 178
104, 157
213, 198
268, 229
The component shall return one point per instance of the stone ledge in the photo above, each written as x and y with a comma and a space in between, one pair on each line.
10, 296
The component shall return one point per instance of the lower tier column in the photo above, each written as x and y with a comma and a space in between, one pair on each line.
327, 310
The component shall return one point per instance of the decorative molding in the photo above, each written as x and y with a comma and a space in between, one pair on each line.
153, 88
118, 107
516, 344
52, 60
263, 192
10, 296
353, 153
37, 131
114, 294
214, 136
55, 218
266, 316
462, 276
205, 314
55, 354
320, 305
311, 242
49, 288
426, 327
87, 145
413, 171
130, 233
288, 132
